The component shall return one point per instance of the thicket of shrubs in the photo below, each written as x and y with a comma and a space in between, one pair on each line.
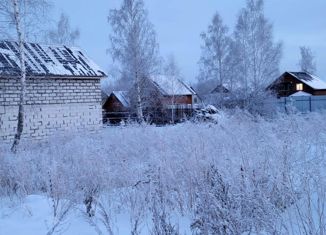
243, 175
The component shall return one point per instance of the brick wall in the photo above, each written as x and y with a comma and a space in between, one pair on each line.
52, 105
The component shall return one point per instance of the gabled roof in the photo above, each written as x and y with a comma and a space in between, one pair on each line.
310, 80
170, 85
220, 89
47, 60
123, 97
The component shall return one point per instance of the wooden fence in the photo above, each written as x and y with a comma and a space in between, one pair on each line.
174, 114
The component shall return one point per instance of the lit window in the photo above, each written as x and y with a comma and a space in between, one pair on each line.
299, 87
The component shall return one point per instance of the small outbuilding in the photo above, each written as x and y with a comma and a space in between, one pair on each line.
62, 93
116, 107
290, 83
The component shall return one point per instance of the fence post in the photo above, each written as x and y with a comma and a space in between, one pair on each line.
310, 104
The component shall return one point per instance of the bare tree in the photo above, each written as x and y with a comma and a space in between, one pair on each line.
213, 62
307, 61
133, 45
34, 14
63, 34
22, 14
259, 56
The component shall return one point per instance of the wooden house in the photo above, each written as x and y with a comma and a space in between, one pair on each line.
294, 83
175, 92
62, 90
163, 99
116, 107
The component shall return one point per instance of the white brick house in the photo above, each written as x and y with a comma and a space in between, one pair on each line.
63, 90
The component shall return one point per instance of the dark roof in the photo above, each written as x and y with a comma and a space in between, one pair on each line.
220, 89
310, 80
47, 60
123, 97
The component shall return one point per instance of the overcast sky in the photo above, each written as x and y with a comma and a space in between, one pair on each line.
178, 24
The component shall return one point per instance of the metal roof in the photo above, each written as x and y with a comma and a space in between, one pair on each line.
310, 80
47, 60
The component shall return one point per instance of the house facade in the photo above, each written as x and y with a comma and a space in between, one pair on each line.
174, 92
62, 90
294, 83
163, 99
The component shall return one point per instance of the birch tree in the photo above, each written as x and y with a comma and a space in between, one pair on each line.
22, 15
21, 39
173, 73
63, 34
213, 62
259, 56
133, 45
35, 15
307, 61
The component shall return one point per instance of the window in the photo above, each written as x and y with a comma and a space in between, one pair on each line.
195, 100
299, 87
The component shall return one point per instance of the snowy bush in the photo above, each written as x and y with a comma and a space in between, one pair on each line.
243, 174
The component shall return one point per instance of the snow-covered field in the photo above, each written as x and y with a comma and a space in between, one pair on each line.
242, 175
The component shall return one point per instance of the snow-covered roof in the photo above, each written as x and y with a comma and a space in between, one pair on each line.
310, 80
123, 97
47, 60
301, 93
170, 85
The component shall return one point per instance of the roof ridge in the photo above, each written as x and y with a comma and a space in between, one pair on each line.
41, 43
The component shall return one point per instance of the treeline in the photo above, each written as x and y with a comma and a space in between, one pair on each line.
243, 61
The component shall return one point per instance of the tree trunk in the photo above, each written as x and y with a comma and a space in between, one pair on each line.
173, 100
140, 114
21, 113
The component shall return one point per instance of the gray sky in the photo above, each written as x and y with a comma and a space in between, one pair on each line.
178, 24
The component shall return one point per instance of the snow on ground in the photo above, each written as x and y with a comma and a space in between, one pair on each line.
33, 216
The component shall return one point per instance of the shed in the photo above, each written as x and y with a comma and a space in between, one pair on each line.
116, 107
62, 93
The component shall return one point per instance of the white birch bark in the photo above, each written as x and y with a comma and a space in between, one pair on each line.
21, 110
140, 114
